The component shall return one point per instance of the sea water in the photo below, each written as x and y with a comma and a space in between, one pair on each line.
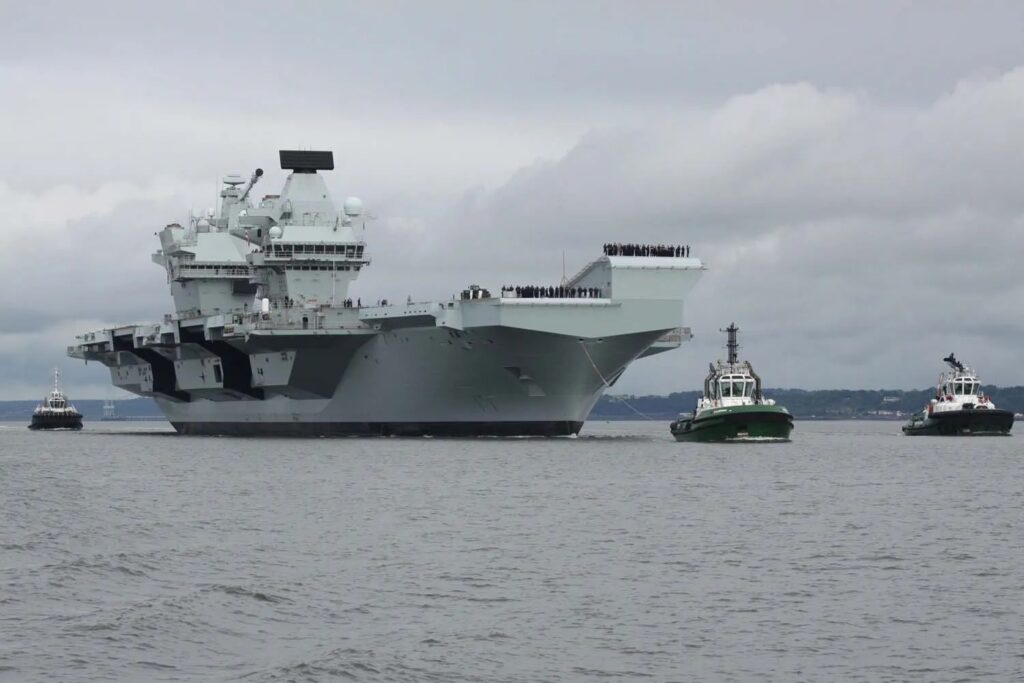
852, 553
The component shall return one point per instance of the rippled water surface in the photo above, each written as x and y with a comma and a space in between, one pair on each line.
853, 553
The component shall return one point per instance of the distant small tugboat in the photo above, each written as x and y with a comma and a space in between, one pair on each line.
56, 412
959, 408
733, 408
110, 412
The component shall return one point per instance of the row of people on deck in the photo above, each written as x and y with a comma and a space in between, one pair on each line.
557, 292
290, 303
646, 250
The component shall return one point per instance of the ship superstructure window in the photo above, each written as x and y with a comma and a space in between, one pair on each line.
733, 387
966, 388
287, 250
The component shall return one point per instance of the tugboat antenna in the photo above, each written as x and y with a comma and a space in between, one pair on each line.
954, 363
732, 345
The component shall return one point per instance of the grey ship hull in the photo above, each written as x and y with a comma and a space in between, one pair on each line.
491, 366
486, 381
326, 429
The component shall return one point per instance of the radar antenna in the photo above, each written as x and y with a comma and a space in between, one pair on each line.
954, 363
732, 345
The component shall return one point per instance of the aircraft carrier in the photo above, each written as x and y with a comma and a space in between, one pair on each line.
267, 340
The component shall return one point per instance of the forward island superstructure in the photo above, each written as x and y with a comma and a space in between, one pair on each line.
267, 340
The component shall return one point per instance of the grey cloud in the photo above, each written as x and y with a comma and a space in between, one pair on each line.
850, 172
528, 55
18, 320
855, 238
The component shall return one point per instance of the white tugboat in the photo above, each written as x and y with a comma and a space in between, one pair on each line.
56, 412
733, 407
959, 408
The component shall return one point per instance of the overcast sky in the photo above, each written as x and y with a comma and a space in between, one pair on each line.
852, 173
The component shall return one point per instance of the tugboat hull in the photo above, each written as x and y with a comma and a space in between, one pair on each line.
738, 423
966, 422
56, 422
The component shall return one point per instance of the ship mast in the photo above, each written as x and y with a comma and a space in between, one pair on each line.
952, 362
732, 345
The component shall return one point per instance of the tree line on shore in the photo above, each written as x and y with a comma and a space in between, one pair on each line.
826, 404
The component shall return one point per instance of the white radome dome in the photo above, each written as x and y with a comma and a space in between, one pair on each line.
353, 206
275, 233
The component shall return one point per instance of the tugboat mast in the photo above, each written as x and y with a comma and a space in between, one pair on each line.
732, 345
954, 363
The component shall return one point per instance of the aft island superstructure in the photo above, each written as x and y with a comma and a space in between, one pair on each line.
266, 338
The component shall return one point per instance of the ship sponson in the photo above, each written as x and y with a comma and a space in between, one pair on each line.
266, 339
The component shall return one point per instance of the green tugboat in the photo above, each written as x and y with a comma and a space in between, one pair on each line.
733, 408
959, 408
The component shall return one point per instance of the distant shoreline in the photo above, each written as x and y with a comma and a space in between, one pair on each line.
891, 405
